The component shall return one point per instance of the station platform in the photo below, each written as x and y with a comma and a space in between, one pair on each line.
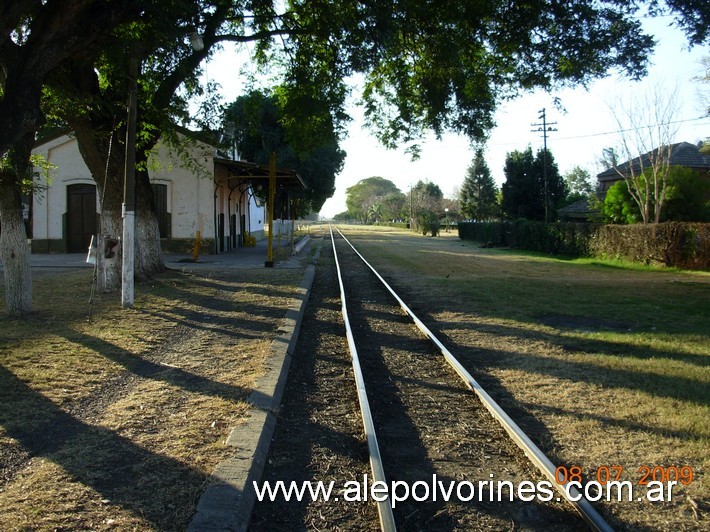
242, 257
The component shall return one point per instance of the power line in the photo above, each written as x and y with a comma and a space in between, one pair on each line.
635, 128
588, 135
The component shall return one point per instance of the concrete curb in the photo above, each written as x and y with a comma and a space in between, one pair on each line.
300, 245
228, 500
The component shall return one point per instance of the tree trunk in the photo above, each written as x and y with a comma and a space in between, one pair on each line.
14, 250
149, 256
109, 270
104, 158
109, 179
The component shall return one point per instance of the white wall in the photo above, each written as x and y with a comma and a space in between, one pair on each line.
50, 204
257, 218
190, 198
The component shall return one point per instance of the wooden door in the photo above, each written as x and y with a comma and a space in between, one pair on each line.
81, 217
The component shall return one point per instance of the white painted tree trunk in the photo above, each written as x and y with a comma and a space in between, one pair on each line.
15, 256
148, 256
109, 271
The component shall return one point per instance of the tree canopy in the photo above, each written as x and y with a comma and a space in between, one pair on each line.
369, 198
444, 65
260, 128
525, 187
579, 183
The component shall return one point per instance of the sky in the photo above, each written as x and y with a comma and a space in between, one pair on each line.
585, 124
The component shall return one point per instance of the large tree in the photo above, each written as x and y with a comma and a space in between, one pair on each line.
260, 127
426, 196
90, 95
531, 184
427, 65
35, 39
366, 193
478, 194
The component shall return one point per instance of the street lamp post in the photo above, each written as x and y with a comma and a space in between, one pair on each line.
446, 212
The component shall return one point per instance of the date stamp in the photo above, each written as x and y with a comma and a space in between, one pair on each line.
644, 474
611, 482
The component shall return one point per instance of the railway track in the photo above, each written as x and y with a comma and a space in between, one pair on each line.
429, 429
426, 432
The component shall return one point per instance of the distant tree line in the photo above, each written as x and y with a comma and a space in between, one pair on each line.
532, 183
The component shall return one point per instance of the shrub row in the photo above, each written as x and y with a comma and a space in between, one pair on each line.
401, 225
678, 244
570, 239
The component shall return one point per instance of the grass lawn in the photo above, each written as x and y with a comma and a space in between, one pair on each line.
605, 364
116, 422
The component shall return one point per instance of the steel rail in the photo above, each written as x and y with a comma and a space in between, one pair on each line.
532, 451
384, 507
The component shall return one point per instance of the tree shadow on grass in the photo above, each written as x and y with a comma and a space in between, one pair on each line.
221, 313
149, 485
610, 421
674, 387
148, 369
229, 283
221, 325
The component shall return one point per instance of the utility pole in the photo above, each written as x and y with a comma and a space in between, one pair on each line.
544, 128
129, 191
272, 194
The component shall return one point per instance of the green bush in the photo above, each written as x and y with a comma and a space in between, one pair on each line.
428, 222
673, 244
686, 199
571, 239
485, 232
676, 244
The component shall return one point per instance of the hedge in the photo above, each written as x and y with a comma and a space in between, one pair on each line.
401, 225
677, 244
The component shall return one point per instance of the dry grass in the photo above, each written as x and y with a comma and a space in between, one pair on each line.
605, 365
116, 423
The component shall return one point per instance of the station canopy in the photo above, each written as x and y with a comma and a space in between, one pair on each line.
258, 174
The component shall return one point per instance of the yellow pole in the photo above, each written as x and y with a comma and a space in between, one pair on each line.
272, 192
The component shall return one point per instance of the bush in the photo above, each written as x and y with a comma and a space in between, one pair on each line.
428, 222
676, 244
571, 239
673, 244
486, 232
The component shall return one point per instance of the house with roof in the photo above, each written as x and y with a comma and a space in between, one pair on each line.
681, 154
579, 211
214, 195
